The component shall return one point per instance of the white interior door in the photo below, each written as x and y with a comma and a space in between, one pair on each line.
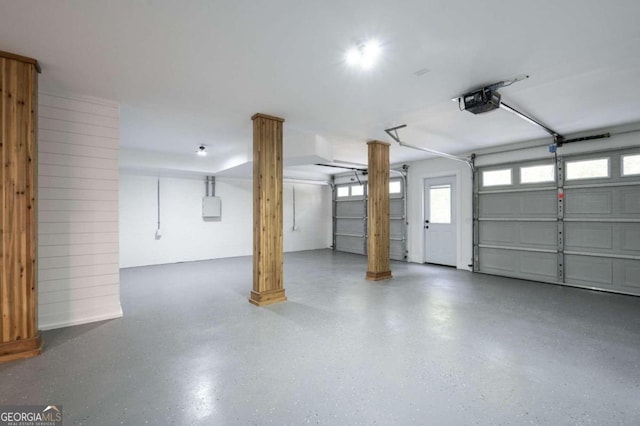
440, 221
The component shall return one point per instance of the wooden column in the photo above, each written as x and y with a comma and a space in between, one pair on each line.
19, 335
267, 211
379, 266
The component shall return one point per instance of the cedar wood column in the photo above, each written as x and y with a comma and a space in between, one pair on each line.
379, 266
19, 336
267, 211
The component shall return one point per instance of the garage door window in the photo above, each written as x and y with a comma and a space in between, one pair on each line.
357, 190
588, 169
630, 165
395, 187
343, 191
537, 174
496, 177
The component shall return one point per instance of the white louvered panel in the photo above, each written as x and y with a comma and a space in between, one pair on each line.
47, 170
78, 217
77, 128
78, 150
45, 240
78, 271
77, 228
81, 282
76, 250
78, 260
84, 118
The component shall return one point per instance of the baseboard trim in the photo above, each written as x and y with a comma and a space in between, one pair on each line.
43, 325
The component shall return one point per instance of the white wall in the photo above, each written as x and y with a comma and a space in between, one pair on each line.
78, 273
440, 167
187, 237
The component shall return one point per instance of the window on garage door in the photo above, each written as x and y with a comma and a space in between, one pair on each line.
588, 169
497, 177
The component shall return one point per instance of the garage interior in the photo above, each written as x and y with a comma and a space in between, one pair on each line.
401, 215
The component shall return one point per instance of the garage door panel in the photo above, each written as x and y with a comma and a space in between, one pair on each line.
539, 234
497, 232
396, 250
611, 238
350, 226
539, 264
538, 204
395, 228
587, 202
350, 244
621, 275
532, 204
630, 276
519, 264
494, 260
630, 201
350, 208
519, 234
396, 207
589, 235
630, 237
588, 270
614, 202
496, 205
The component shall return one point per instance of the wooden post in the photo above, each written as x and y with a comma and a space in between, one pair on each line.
267, 211
19, 335
379, 266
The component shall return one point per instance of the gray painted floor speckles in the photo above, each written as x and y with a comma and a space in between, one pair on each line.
432, 346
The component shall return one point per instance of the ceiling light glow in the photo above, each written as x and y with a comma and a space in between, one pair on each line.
364, 55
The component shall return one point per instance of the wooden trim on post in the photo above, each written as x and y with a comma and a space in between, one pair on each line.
20, 349
268, 287
21, 58
379, 264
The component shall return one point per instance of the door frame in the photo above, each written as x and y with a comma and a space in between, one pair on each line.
455, 175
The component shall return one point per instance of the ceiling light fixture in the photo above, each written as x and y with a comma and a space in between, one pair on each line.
364, 55
202, 151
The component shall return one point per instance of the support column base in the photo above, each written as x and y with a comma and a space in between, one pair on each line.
268, 297
378, 276
20, 349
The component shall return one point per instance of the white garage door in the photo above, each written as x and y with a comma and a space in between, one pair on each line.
575, 221
350, 218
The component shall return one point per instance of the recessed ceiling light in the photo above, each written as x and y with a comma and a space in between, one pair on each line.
364, 55
202, 151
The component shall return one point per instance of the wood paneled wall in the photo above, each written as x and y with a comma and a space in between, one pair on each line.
267, 211
19, 336
379, 265
78, 184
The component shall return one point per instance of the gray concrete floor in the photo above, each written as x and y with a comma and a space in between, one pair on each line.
433, 346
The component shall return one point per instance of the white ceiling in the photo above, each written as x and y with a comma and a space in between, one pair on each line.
192, 72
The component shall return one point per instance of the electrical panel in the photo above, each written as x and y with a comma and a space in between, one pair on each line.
211, 207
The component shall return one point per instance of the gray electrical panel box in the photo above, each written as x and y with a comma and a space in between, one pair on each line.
211, 207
